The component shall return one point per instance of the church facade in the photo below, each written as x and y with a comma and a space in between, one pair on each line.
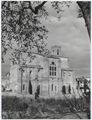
49, 74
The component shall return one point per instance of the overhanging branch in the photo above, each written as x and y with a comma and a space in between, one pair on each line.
35, 11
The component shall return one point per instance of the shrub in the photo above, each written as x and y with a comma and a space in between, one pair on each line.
13, 104
28, 108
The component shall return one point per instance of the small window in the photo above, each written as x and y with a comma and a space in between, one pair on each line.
53, 63
23, 86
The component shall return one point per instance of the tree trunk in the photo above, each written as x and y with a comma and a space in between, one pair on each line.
85, 7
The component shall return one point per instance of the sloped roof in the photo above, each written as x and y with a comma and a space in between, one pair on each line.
49, 56
31, 66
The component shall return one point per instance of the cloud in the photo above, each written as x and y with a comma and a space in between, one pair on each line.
71, 34
53, 20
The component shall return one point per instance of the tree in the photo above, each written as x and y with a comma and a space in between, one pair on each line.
22, 30
37, 93
85, 7
21, 25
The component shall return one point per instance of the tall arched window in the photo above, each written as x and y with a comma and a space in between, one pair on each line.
69, 89
53, 69
64, 89
57, 51
52, 87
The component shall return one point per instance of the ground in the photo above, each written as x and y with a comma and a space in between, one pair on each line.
28, 108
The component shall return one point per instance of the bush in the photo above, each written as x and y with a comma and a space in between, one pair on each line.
13, 104
15, 107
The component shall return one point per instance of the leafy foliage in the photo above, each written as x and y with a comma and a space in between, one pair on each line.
85, 12
58, 6
26, 107
22, 29
13, 104
84, 7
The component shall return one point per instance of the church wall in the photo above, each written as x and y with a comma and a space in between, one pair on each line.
53, 88
67, 77
43, 73
59, 70
43, 62
60, 85
25, 80
14, 78
64, 63
44, 88
34, 87
19, 81
57, 81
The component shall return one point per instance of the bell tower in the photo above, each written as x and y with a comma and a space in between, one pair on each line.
56, 50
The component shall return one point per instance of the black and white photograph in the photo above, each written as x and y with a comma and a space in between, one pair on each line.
45, 59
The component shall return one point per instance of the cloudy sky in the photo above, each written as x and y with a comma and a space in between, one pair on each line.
70, 33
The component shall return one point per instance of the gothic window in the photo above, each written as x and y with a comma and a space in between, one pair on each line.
57, 51
30, 87
52, 87
23, 86
69, 89
64, 90
52, 69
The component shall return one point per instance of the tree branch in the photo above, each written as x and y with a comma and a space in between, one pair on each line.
3, 3
39, 6
35, 11
85, 8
